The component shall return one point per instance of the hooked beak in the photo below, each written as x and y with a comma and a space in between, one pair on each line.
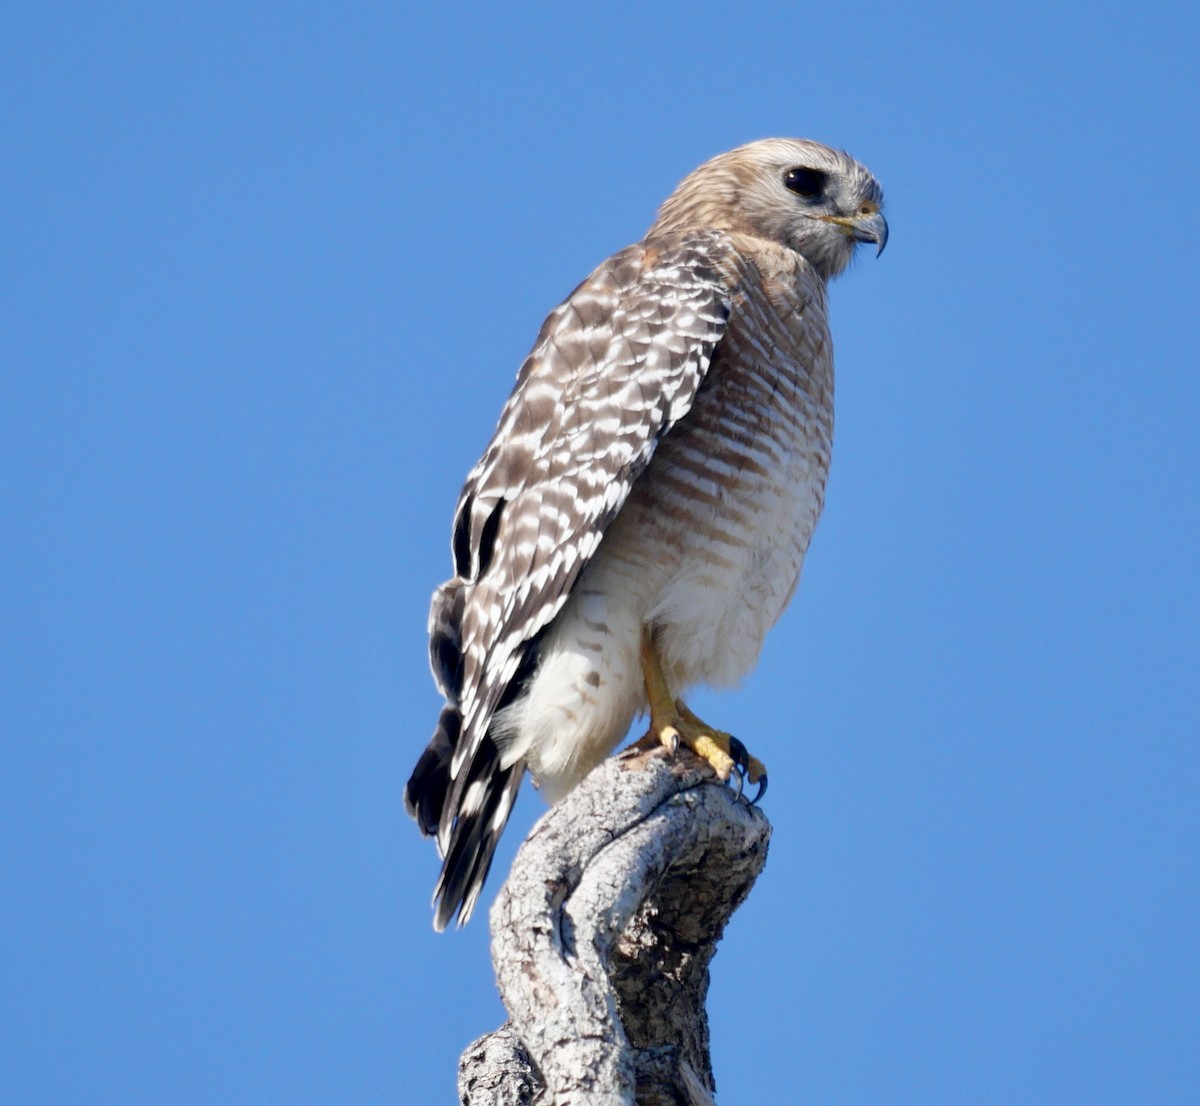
868, 226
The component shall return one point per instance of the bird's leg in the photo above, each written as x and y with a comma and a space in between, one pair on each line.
672, 724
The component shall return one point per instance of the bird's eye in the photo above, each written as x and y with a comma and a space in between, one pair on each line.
806, 183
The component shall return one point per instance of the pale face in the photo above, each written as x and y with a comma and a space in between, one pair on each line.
815, 200
819, 202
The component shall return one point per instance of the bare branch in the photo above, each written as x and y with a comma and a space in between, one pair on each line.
602, 939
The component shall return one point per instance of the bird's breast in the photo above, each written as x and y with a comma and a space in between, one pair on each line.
712, 538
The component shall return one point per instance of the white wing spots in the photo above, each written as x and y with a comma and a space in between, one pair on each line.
503, 810
613, 369
661, 461
471, 799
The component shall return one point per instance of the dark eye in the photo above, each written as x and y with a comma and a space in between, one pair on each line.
806, 183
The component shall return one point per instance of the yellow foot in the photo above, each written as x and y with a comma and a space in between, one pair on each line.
728, 746
672, 724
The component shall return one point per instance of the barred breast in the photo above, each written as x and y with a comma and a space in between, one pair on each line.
708, 548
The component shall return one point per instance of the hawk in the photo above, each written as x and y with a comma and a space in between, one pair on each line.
639, 519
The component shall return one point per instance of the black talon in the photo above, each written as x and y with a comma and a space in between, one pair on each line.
741, 761
673, 745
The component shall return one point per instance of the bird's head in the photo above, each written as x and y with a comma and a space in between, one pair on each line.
815, 200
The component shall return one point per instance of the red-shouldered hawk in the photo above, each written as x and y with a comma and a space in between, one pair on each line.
639, 520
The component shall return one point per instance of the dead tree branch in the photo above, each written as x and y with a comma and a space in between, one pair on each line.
602, 938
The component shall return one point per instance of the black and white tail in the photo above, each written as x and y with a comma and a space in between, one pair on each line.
472, 831
462, 801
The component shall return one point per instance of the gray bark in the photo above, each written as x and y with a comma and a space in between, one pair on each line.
602, 938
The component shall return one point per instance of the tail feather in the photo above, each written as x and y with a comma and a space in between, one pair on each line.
464, 806
468, 835
425, 793
473, 839
445, 638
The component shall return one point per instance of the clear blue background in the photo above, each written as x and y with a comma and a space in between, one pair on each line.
267, 274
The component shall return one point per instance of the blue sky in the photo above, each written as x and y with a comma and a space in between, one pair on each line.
268, 272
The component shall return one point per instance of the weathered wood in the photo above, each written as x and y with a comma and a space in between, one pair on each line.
602, 938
